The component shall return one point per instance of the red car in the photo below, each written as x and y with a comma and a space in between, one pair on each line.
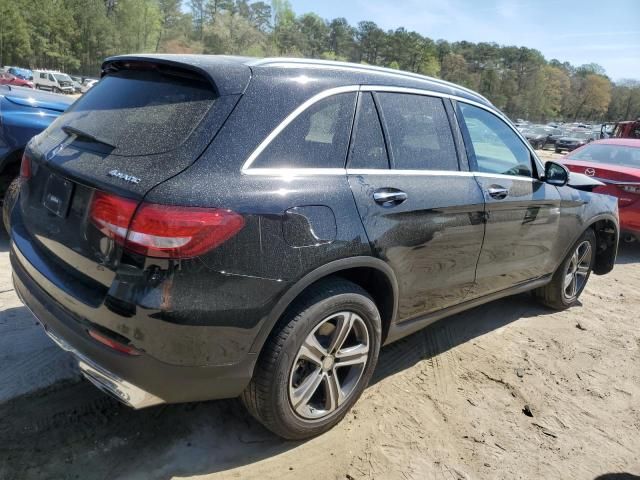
615, 162
9, 79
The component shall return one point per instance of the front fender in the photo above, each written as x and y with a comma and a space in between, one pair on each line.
582, 210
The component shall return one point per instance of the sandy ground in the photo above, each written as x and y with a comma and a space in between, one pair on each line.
446, 403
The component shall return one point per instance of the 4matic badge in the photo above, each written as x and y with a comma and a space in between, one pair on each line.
123, 176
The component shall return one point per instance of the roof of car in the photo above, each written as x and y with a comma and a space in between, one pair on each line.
625, 142
227, 72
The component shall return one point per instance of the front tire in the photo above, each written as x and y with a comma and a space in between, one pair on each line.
572, 275
317, 362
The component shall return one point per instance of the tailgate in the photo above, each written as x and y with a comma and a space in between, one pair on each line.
135, 129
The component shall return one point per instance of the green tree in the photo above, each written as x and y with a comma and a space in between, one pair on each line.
170, 16
15, 44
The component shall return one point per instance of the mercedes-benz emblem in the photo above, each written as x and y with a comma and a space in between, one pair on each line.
590, 171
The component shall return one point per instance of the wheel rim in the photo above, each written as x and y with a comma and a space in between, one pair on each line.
577, 271
329, 365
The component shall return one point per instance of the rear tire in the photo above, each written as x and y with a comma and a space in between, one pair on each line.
572, 275
317, 361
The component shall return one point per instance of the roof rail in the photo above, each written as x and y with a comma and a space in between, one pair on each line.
273, 61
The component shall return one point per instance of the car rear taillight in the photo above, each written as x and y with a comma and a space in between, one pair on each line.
624, 199
163, 231
25, 166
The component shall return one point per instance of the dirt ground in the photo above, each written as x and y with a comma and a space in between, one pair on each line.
508, 390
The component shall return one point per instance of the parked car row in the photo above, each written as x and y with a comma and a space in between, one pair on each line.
7, 78
560, 137
42, 79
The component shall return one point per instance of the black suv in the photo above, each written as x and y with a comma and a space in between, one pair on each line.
200, 227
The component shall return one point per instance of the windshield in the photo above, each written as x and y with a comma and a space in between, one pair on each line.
578, 134
609, 154
140, 112
61, 77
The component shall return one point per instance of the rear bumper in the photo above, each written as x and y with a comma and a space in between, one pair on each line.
106, 381
138, 381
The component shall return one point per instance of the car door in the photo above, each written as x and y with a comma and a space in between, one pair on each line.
522, 211
422, 214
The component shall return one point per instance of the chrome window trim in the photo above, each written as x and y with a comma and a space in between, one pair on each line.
290, 173
398, 172
247, 170
293, 172
358, 68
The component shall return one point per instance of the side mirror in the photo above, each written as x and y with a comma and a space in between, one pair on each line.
556, 174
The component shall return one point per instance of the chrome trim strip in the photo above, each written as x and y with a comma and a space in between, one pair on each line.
506, 177
367, 88
293, 172
286, 173
424, 173
292, 116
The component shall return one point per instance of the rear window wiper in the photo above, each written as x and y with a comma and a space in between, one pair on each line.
79, 133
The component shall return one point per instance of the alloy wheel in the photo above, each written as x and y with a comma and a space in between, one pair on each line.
329, 365
577, 271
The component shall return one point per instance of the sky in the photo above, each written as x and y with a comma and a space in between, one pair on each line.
606, 32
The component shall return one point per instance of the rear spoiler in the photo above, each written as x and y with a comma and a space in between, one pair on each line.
228, 75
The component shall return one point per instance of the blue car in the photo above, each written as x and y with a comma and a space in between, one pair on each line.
23, 73
23, 114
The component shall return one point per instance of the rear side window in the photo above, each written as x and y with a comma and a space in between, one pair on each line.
496, 148
317, 138
367, 143
141, 112
418, 131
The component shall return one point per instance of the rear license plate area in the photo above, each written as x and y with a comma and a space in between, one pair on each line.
57, 195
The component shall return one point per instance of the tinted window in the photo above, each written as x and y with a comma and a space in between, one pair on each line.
494, 145
367, 143
419, 132
141, 112
317, 138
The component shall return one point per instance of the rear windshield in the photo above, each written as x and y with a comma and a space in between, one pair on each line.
140, 112
609, 154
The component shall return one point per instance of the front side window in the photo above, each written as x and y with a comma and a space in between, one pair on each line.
419, 133
494, 146
317, 138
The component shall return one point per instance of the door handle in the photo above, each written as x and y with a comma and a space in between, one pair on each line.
498, 193
389, 197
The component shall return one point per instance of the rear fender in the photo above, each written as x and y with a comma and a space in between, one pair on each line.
324, 271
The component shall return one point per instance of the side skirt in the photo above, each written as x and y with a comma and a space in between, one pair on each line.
407, 327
